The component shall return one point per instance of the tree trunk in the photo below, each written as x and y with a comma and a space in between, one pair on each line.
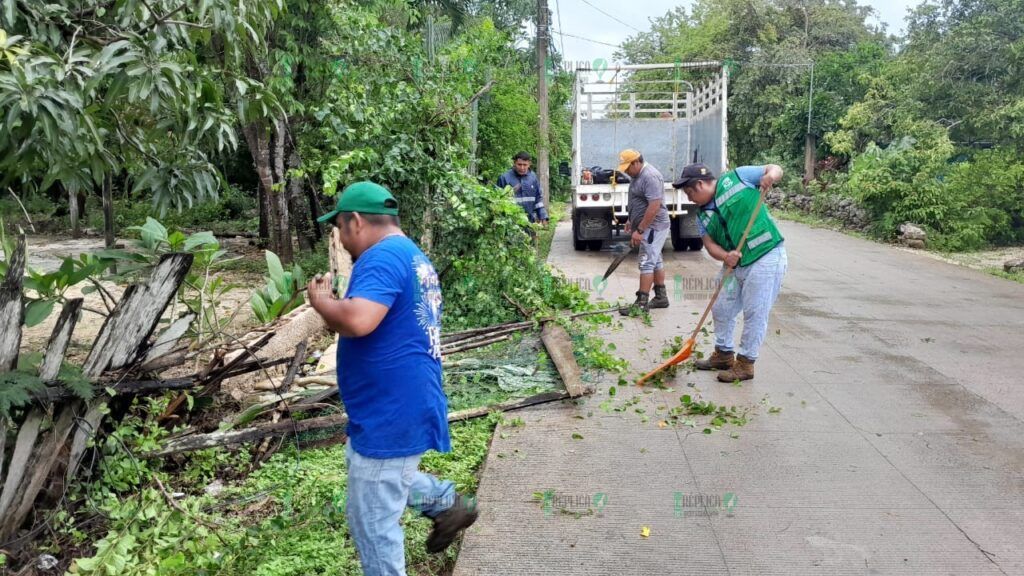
108, 211
810, 157
314, 212
263, 200
282, 221
76, 231
300, 209
427, 238
259, 147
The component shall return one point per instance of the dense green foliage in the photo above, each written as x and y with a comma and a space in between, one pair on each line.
944, 154
409, 127
898, 122
285, 518
89, 90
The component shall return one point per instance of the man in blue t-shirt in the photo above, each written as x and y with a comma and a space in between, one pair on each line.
389, 378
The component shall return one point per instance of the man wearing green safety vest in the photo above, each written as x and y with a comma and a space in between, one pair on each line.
726, 204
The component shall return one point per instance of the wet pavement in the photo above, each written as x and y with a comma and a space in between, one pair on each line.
885, 433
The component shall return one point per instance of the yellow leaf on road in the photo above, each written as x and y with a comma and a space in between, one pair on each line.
645, 532
662, 424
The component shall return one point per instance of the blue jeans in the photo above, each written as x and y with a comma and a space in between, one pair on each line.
378, 492
752, 290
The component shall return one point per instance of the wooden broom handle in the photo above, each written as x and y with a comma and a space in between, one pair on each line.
729, 269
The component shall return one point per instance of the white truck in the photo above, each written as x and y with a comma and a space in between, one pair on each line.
650, 108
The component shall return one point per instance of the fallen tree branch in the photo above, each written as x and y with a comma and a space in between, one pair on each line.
476, 344
479, 337
55, 391
518, 306
453, 337
200, 442
559, 346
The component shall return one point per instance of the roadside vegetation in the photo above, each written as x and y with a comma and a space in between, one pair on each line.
925, 128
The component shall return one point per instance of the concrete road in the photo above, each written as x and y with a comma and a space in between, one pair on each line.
885, 433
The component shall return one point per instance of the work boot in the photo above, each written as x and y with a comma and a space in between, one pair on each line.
637, 308
660, 299
449, 523
719, 360
742, 369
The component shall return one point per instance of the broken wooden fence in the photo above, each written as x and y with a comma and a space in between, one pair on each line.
53, 432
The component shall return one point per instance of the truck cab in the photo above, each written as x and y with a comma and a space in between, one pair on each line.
650, 108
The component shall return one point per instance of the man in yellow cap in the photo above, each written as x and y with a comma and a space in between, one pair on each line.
648, 227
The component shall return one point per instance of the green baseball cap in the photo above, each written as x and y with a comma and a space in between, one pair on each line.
363, 197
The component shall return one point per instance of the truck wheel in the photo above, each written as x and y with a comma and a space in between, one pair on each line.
696, 244
678, 244
595, 245
577, 244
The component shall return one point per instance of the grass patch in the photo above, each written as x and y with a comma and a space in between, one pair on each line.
1014, 276
557, 212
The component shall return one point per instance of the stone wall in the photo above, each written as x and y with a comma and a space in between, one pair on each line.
845, 210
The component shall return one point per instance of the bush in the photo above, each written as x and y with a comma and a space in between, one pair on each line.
992, 184
964, 206
484, 254
233, 211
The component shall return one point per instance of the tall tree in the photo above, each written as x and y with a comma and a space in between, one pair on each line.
770, 45
96, 88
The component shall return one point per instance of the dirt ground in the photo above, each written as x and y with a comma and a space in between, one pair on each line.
45, 253
985, 260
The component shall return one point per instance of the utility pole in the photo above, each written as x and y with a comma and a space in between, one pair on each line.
810, 142
542, 97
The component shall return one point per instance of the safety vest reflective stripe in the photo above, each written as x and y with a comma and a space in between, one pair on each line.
730, 193
755, 242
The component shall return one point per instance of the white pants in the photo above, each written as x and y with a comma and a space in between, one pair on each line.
752, 290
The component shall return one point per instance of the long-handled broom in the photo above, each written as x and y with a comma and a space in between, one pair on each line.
687, 349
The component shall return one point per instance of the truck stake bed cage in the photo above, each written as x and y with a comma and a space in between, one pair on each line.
651, 108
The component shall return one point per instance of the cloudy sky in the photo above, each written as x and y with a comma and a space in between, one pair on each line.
583, 19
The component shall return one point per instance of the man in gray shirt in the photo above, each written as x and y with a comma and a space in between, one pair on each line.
648, 226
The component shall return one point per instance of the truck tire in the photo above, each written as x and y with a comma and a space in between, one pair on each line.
595, 245
577, 244
679, 244
696, 244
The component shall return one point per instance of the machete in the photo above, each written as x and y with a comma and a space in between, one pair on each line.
622, 256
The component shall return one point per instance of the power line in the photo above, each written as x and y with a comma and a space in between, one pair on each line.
584, 39
561, 41
610, 16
